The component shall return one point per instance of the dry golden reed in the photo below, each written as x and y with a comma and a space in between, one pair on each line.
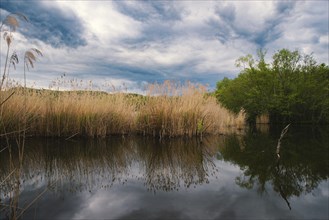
168, 110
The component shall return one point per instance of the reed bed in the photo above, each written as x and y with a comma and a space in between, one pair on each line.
168, 110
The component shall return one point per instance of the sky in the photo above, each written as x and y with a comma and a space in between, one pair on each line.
128, 44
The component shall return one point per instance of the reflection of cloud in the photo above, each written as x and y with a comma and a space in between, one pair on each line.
220, 199
213, 201
318, 198
109, 204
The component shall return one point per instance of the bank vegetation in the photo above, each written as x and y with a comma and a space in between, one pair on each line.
167, 110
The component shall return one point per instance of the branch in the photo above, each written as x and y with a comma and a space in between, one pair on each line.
283, 132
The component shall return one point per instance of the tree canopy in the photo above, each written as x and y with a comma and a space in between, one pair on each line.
292, 88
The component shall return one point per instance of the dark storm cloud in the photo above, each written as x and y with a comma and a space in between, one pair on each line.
284, 7
228, 29
48, 24
150, 11
158, 18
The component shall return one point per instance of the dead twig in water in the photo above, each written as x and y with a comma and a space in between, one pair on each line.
3, 149
35, 199
72, 136
283, 132
7, 177
8, 206
13, 132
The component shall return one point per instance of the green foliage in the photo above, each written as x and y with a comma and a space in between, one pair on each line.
292, 88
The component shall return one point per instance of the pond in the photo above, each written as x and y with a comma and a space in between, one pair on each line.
221, 177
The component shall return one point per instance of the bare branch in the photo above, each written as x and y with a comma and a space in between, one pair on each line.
283, 132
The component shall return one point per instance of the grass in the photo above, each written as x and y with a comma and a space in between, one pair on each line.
168, 110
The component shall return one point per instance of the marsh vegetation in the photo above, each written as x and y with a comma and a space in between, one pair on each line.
167, 111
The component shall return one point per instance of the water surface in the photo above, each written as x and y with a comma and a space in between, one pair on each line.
225, 177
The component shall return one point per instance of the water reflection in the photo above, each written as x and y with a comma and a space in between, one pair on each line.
176, 172
89, 165
171, 165
302, 166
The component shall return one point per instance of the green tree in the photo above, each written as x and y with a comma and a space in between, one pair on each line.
292, 88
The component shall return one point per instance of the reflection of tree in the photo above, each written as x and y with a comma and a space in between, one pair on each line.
302, 166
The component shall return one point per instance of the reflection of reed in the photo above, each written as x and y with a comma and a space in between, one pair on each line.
11, 184
87, 165
170, 164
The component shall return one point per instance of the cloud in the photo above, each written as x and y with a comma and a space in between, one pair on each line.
146, 41
237, 20
103, 23
48, 24
150, 11
306, 29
